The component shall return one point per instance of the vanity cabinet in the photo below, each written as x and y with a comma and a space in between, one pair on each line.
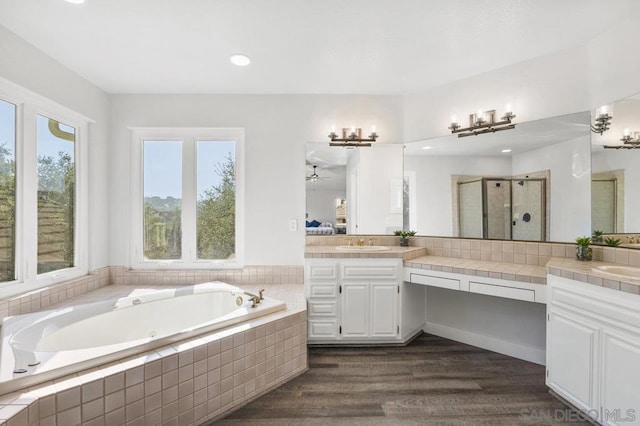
593, 349
361, 301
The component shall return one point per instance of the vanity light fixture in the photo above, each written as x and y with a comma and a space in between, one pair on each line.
630, 140
352, 137
483, 122
602, 122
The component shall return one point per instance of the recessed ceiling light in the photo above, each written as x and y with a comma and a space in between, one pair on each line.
75, 1
426, 147
240, 60
506, 150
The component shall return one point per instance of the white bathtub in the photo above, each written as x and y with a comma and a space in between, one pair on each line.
44, 345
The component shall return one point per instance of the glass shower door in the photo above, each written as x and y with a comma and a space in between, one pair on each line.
528, 209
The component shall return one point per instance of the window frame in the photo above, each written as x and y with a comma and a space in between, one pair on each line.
189, 138
28, 106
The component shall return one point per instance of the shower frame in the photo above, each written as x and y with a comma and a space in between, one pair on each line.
485, 212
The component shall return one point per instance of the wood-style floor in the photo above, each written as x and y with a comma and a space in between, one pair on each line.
432, 381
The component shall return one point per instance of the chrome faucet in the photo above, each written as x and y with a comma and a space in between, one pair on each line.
361, 242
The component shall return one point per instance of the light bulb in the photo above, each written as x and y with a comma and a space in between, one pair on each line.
454, 119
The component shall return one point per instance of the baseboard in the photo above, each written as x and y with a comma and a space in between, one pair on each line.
515, 350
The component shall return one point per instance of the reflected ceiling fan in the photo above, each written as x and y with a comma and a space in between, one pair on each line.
314, 177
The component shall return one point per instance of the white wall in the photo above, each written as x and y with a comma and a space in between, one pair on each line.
276, 130
577, 79
434, 207
570, 166
30, 68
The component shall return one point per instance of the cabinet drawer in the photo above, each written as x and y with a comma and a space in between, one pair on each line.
370, 271
323, 309
449, 283
502, 291
323, 290
323, 329
322, 272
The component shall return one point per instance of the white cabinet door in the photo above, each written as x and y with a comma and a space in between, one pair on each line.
384, 313
620, 378
572, 344
355, 310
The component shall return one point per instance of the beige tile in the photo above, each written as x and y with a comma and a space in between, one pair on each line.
630, 288
92, 409
134, 410
114, 401
622, 256
153, 385
134, 393
634, 257
70, 417
113, 383
67, 399
170, 411
615, 285
92, 390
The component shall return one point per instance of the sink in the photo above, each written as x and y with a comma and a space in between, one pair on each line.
628, 272
363, 248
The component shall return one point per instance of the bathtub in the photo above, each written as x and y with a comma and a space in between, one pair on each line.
45, 345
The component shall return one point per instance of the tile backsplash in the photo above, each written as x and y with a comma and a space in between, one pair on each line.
521, 252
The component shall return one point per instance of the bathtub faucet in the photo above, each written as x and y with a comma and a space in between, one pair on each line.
254, 298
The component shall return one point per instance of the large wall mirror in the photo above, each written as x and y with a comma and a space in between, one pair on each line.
530, 183
616, 173
353, 190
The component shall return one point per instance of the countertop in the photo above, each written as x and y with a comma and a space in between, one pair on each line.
583, 271
483, 268
397, 252
416, 257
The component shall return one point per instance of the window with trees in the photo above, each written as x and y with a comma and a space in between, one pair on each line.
43, 196
189, 197
7, 191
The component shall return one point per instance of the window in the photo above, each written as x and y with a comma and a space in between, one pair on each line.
188, 198
43, 192
56, 194
7, 191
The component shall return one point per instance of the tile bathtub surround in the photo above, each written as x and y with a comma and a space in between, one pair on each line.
293, 274
45, 297
188, 383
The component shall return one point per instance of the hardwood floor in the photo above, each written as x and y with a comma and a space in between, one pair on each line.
432, 381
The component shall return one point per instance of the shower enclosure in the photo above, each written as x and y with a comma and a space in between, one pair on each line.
502, 208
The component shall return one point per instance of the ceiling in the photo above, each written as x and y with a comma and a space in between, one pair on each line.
300, 46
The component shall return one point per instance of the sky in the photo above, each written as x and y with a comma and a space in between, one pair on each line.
48, 144
163, 166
